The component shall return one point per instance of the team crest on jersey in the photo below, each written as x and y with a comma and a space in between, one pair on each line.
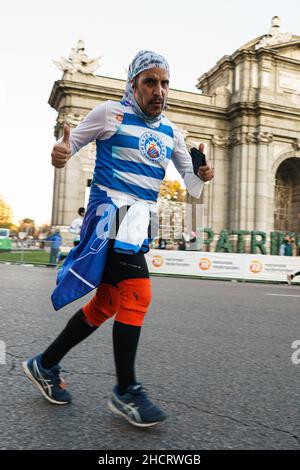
152, 147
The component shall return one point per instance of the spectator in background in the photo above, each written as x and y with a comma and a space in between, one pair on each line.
76, 226
162, 243
282, 248
294, 246
55, 240
193, 244
288, 246
181, 243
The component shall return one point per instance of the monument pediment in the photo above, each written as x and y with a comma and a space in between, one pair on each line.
250, 45
289, 49
286, 44
228, 70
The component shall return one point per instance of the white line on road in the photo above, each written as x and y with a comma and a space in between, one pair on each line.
284, 295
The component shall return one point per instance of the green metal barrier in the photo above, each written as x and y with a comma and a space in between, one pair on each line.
5, 244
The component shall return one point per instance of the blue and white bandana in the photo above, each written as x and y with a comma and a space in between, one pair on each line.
144, 60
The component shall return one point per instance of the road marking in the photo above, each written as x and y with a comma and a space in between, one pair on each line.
284, 295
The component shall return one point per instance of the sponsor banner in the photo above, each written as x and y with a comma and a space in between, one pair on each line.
222, 265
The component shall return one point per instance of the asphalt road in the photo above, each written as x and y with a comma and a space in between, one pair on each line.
215, 355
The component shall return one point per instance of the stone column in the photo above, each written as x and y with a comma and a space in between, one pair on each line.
220, 183
241, 181
262, 180
251, 181
234, 182
243, 185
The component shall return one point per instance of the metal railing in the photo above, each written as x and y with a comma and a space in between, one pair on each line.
30, 251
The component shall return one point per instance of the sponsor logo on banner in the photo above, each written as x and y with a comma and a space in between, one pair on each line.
222, 265
157, 261
256, 266
204, 264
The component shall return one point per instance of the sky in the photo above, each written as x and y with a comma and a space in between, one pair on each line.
192, 34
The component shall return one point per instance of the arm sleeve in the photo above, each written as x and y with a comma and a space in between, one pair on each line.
98, 124
183, 164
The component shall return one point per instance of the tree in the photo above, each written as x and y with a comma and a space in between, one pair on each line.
172, 191
27, 225
5, 214
171, 209
43, 230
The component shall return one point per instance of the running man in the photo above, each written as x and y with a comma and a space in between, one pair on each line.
134, 144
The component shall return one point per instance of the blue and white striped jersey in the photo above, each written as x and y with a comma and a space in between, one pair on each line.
132, 156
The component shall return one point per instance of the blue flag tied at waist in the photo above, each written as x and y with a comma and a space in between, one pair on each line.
83, 268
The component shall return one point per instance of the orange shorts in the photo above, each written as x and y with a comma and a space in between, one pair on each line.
128, 300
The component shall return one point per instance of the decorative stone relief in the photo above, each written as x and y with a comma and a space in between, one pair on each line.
235, 138
296, 144
251, 138
71, 119
264, 137
220, 140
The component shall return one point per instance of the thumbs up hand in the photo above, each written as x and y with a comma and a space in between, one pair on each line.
66, 137
62, 152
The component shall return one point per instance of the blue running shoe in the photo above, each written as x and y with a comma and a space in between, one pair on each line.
48, 381
135, 406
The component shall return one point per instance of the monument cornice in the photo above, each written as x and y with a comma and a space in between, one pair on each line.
224, 63
287, 60
101, 91
241, 54
241, 108
246, 107
64, 88
263, 52
196, 108
278, 109
284, 45
227, 62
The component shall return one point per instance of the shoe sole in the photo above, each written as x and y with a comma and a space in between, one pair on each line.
30, 377
115, 410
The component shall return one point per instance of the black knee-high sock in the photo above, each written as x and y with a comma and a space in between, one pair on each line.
125, 342
76, 330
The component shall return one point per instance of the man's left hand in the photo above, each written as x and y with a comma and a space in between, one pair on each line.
206, 173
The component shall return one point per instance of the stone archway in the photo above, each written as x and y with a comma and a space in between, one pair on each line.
287, 196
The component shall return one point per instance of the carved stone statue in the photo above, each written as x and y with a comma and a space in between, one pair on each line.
78, 61
274, 36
